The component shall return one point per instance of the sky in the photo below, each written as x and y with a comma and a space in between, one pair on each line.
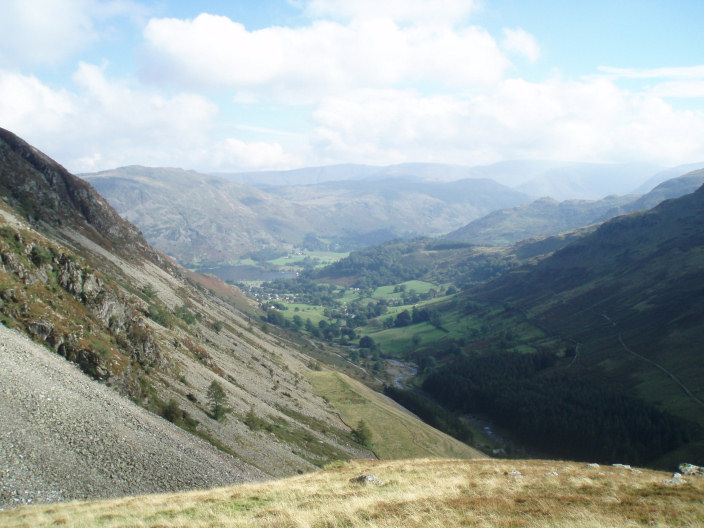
235, 85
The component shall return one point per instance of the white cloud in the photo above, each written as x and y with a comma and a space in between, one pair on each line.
304, 64
43, 31
419, 11
679, 72
387, 126
27, 105
254, 155
678, 89
556, 119
106, 123
681, 82
48, 31
520, 42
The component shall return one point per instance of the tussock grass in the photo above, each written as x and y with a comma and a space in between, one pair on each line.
416, 493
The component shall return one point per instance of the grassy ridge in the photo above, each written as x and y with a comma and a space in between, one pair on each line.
416, 493
395, 433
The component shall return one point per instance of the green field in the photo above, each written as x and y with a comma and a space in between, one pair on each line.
387, 292
323, 257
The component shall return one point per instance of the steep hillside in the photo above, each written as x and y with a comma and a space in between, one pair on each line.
418, 493
636, 279
394, 433
83, 283
66, 437
542, 217
546, 216
625, 302
44, 192
208, 220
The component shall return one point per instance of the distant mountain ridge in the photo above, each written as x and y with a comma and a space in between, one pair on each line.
201, 219
545, 217
557, 179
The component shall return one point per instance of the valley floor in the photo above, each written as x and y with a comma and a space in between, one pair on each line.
412, 493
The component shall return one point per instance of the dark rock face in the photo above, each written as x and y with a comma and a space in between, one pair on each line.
88, 362
40, 329
144, 347
49, 195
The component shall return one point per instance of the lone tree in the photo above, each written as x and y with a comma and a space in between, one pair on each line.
362, 434
367, 342
217, 399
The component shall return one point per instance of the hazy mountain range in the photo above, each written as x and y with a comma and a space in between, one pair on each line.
201, 219
559, 180
204, 220
548, 217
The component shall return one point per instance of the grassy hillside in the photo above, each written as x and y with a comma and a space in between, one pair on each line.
630, 289
83, 283
626, 302
542, 217
395, 433
417, 493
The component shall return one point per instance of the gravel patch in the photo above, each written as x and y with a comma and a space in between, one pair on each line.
65, 437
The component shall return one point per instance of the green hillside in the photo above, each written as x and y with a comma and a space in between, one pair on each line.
584, 345
547, 216
625, 303
394, 432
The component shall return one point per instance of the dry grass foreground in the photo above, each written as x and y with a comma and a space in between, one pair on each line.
415, 493
395, 432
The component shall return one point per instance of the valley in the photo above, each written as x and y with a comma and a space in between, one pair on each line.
507, 326
349, 264
161, 341
404, 349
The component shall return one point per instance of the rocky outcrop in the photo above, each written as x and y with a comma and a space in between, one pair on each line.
691, 470
367, 480
48, 195
143, 346
88, 361
40, 329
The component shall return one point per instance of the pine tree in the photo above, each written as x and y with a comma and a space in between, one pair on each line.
217, 399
